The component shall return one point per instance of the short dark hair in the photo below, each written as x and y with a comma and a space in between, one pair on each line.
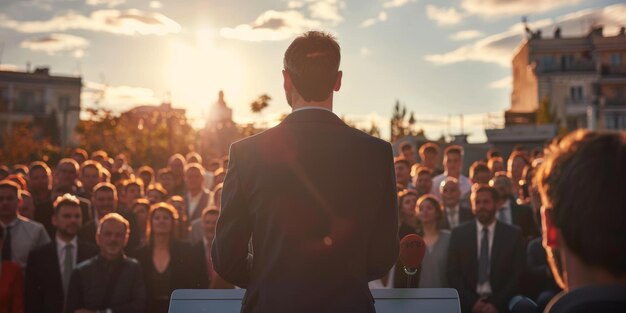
93, 164
429, 147
476, 188
453, 149
312, 61
9, 184
39, 165
477, 167
66, 199
581, 182
82, 152
105, 187
406, 146
424, 170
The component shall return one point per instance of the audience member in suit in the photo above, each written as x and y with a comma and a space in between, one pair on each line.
65, 178
208, 278
196, 196
486, 257
196, 229
22, 235
454, 214
479, 173
50, 266
423, 180
104, 201
11, 284
433, 269
40, 182
91, 173
581, 182
177, 164
109, 281
403, 172
509, 211
167, 264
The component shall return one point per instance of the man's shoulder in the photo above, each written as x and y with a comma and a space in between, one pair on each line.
87, 264
462, 230
42, 252
509, 230
30, 225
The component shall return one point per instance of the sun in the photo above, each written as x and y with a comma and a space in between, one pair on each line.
197, 72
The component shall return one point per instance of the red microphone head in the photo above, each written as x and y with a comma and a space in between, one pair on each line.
412, 250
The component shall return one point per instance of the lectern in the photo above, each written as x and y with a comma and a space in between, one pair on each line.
423, 300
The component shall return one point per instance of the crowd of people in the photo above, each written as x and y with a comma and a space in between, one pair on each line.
95, 235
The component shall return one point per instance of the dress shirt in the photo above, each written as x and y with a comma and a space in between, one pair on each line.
484, 289
61, 252
26, 235
452, 214
310, 107
465, 185
192, 206
504, 213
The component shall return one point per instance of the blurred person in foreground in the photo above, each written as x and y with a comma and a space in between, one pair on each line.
323, 225
109, 282
582, 181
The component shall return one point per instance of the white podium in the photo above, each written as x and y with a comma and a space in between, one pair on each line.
422, 300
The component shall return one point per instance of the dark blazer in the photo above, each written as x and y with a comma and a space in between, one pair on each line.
465, 215
507, 264
319, 199
198, 252
183, 267
590, 299
43, 287
204, 201
522, 216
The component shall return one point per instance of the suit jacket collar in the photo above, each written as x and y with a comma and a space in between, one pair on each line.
318, 116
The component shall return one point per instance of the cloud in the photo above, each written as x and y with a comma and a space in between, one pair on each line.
129, 22
502, 83
499, 48
156, 4
396, 3
327, 10
55, 43
491, 8
271, 26
443, 16
118, 98
466, 35
9, 67
295, 4
382, 16
109, 3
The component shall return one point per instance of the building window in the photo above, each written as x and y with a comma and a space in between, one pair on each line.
616, 59
576, 93
64, 103
567, 61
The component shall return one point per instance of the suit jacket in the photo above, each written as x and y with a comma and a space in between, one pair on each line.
319, 199
507, 264
590, 299
44, 287
204, 201
522, 216
465, 215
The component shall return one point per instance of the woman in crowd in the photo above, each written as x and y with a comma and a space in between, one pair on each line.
141, 208
407, 220
430, 216
182, 230
165, 260
11, 284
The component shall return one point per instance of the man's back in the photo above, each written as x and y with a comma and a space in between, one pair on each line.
320, 200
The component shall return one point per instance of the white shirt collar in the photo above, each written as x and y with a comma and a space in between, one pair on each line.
61, 244
490, 227
311, 107
453, 209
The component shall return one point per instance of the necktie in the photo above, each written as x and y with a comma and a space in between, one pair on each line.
483, 261
68, 266
209, 260
6, 249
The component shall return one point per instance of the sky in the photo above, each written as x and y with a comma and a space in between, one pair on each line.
442, 59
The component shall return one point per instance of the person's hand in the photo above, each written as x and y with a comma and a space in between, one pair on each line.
479, 306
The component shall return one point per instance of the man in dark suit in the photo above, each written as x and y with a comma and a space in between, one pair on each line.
318, 198
581, 182
486, 258
49, 266
454, 213
196, 196
509, 211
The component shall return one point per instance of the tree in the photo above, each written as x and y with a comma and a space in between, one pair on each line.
400, 125
21, 146
544, 114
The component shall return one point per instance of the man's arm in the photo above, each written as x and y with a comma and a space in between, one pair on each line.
42, 236
384, 243
234, 228
74, 299
32, 286
137, 302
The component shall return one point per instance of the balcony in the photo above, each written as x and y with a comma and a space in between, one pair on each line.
577, 106
574, 67
613, 70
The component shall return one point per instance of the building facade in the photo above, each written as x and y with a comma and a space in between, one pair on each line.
28, 97
582, 80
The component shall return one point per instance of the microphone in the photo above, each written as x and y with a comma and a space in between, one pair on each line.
412, 250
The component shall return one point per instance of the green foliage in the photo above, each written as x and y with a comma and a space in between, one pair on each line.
544, 113
400, 125
21, 146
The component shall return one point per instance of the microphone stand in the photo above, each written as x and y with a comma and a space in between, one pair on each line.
410, 272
